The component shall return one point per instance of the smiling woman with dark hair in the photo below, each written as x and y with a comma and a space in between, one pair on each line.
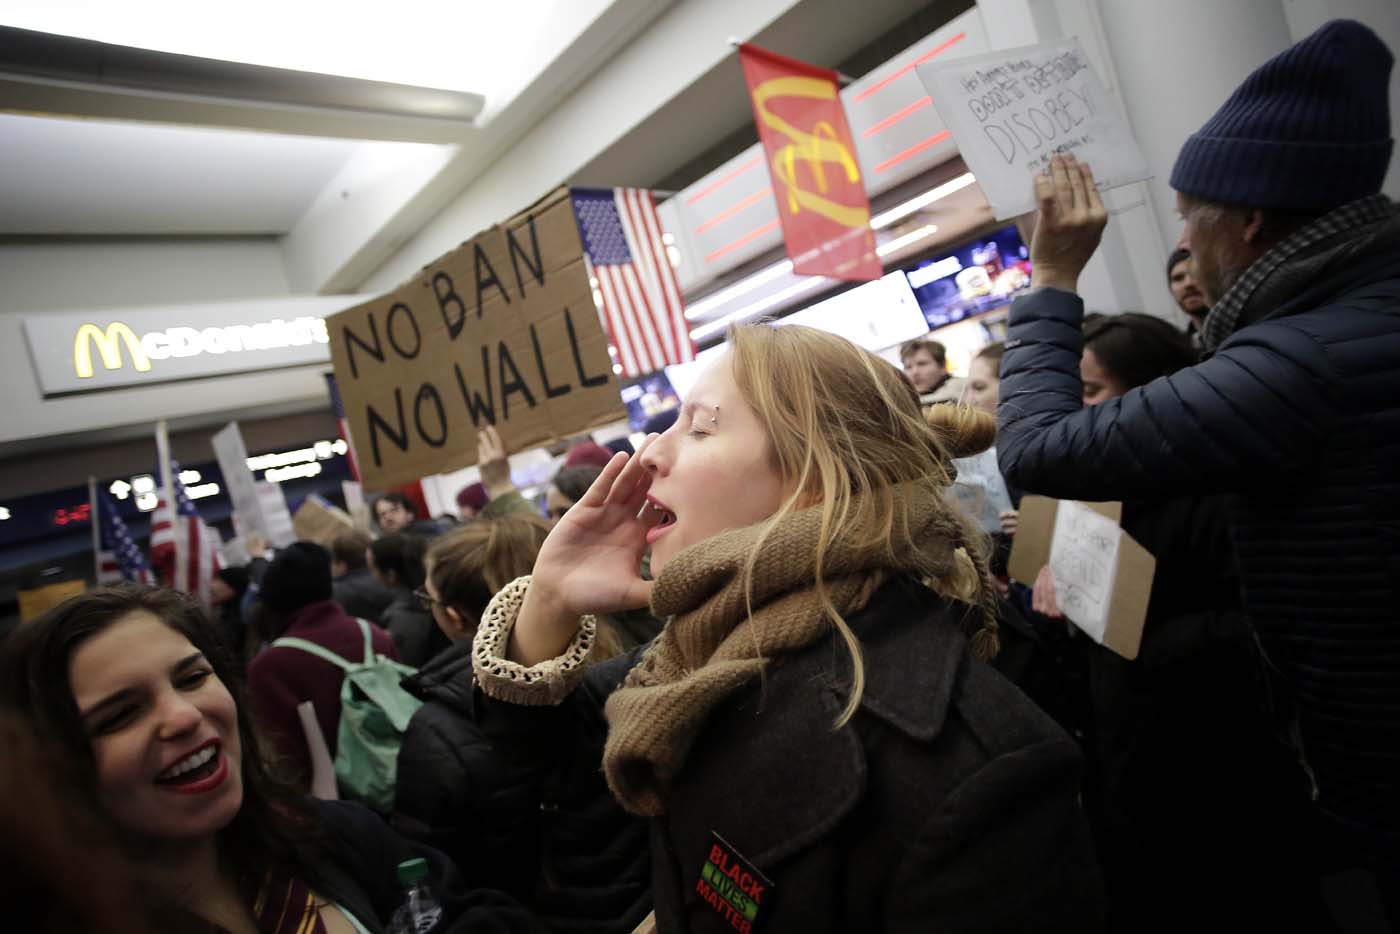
141, 701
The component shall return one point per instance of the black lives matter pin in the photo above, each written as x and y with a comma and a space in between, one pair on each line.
730, 885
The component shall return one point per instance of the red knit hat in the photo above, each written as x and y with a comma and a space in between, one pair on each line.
472, 497
588, 453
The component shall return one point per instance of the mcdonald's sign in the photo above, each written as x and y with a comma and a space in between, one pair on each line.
94, 350
812, 162
108, 346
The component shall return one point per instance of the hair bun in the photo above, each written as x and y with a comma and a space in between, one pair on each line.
962, 430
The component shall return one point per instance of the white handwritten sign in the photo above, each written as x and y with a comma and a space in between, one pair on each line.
273, 502
1084, 564
255, 510
981, 490
1010, 111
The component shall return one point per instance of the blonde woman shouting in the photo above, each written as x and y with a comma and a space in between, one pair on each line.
814, 734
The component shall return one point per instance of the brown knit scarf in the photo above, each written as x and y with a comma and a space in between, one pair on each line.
711, 647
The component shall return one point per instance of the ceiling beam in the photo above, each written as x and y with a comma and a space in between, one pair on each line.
42, 73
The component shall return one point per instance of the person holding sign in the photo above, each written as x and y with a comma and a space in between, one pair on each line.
1294, 414
1190, 697
815, 732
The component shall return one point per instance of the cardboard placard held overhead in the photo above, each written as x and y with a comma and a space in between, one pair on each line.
1103, 578
1010, 111
502, 330
319, 521
37, 601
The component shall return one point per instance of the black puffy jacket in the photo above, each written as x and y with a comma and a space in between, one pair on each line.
1297, 416
415, 635
566, 849
357, 870
360, 594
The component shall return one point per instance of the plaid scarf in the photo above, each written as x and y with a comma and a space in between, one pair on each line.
1288, 266
285, 905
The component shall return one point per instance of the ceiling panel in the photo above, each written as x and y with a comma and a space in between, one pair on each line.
92, 177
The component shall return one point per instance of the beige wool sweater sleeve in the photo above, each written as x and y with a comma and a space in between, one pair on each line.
541, 685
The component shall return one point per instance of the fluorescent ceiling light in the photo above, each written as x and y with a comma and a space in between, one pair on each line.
494, 49
748, 311
880, 221
743, 286
807, 284
886, 218
899, 243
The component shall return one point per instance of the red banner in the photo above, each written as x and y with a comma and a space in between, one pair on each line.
812, 162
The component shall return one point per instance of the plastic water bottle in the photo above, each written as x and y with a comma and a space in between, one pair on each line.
420, 911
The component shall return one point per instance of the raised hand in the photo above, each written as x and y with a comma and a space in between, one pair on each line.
491, 461
1010, 521
590, 563
1071, 223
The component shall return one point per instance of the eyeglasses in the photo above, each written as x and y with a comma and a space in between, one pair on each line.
425, 599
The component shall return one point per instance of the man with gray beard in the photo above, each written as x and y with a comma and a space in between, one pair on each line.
1295, 412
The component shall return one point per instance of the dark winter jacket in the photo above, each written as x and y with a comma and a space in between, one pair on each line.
454, 791
1297, 416
281, 678
576, 859
949, 803
1181, 748
361, 594
357, 872
412, 628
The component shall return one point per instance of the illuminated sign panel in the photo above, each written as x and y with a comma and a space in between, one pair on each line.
95, 350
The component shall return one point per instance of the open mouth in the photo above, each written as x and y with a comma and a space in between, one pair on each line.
199, 765
660, 517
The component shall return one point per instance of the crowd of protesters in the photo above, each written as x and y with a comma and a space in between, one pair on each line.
764, 674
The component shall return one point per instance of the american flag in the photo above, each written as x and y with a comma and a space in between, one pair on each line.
183, 548
118, 559
342, 425
626, 256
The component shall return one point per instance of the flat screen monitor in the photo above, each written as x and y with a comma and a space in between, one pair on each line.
647, 396
977, 277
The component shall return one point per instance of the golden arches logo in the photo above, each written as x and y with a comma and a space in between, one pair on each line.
107, 347
815, 149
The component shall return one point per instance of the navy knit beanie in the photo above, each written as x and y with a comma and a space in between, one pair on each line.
1308, 131
299, 575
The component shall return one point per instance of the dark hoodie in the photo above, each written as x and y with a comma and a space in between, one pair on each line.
578, 861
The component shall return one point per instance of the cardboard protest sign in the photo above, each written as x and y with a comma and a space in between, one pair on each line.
36, 601
1010, 111
502, 331
1103, 578
319, 521
980, 490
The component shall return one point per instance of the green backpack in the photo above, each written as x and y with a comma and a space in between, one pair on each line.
374, 712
